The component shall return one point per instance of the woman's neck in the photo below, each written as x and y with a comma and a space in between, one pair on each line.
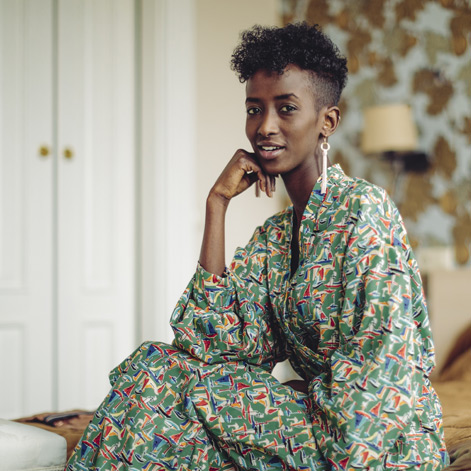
299, 186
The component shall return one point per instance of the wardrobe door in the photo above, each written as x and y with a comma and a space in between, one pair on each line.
96, 127
26, 207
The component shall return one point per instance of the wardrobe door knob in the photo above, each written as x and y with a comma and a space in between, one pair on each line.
44, 151
68, 153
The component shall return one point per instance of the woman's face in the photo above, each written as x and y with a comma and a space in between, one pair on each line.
282, 124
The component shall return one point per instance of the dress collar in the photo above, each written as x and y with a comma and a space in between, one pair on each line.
314, 217
317, 217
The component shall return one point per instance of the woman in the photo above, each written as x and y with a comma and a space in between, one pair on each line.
330, 283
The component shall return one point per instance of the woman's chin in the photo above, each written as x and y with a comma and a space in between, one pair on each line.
272, 168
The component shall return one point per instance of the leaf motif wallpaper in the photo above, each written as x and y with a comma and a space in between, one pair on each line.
416, 52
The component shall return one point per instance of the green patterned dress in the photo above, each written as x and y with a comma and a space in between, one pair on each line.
352, 321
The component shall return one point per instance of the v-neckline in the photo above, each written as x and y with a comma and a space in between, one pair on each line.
316, 203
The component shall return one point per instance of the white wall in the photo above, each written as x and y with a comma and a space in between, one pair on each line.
167, 220
220, 110
192, 122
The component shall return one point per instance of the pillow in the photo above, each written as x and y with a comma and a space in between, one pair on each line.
457, 366
460, 457
459, 370
26, 448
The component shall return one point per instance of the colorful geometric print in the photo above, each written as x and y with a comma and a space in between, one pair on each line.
353, 322
168, 411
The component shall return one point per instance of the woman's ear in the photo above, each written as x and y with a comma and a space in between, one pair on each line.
331, 120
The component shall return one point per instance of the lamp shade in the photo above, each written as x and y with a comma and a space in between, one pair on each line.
389, 128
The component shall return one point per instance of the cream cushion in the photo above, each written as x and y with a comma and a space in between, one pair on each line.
28, 448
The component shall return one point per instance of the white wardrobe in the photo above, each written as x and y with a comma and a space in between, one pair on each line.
67, 200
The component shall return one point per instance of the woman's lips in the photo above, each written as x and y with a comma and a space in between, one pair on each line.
270, 152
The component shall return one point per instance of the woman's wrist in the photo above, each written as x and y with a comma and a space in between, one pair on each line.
215, 201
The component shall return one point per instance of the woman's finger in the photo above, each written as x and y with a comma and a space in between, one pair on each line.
265, 183
261, 180
257, 188
268, 186
240, 173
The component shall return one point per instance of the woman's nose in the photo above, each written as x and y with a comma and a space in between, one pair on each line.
268, 125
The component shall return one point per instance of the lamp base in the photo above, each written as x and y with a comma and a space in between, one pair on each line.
411, 161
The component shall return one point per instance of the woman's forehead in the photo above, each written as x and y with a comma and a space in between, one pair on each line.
293, 80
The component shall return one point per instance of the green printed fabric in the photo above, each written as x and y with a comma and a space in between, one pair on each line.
352, 321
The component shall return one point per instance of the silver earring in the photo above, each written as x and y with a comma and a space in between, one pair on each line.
325, 146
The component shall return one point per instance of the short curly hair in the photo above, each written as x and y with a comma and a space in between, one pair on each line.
273, 48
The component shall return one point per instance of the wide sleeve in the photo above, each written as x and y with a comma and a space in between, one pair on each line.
367, 398
229, 317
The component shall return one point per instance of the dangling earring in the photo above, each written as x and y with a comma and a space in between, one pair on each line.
325, 146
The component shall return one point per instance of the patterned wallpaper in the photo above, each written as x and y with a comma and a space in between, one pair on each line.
416, 52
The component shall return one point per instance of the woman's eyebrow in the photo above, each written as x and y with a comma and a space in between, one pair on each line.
252, 100
285, 96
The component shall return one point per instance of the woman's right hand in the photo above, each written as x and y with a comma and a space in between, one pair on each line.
241, 172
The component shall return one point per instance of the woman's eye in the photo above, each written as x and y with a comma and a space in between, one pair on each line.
287, 108
253, 110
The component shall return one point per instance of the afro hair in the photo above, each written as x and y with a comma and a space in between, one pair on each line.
274, 48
